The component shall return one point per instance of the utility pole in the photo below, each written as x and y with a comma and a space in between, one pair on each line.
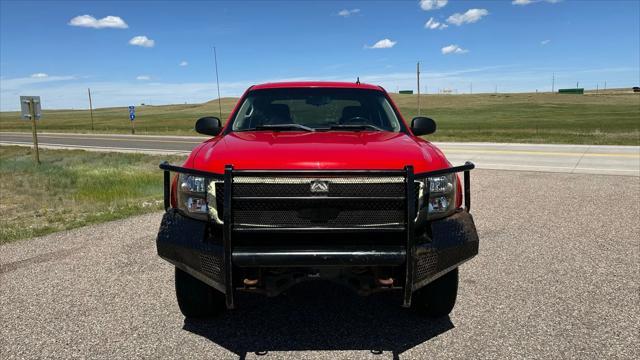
215, 58
496, 89
597, 88
32, 112
605, 86
553, 82
577, 84
418, 78
471, 88
90, 108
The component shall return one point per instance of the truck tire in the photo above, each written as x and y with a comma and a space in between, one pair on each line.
197, 299
438, 298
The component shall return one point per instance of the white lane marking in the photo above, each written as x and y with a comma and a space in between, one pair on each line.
44, 139
541, 153
480, 165
99, 148
515, 145
28, 134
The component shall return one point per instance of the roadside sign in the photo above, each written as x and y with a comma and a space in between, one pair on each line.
132, 117
30, 110
26, 111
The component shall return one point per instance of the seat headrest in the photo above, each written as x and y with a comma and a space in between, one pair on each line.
279, 114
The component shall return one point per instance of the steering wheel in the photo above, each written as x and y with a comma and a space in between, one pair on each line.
357, 119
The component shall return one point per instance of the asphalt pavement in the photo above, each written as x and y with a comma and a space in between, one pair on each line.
556, 277
588, 159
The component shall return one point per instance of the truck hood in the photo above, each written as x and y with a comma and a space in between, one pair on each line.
338, 150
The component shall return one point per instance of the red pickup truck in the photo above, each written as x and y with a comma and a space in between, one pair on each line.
316, 180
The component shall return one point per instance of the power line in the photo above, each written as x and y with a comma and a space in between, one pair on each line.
90, 108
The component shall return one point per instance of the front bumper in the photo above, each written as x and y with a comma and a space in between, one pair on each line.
420, 255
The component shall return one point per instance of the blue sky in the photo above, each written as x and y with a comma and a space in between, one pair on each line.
51, 49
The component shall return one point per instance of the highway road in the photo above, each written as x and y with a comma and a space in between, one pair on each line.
588, 159
556, 278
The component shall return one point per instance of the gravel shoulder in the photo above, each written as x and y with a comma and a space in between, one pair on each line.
556, 277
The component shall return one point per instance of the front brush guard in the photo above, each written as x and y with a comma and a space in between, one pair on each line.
446, 244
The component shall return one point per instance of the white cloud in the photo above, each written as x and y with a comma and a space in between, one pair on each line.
16, 86
544, 42
427, 5
527, 2
383, 44
143, 77
39, 75
142, 41
453, 49
183, 63
471, 16
347, 12
114, 22
435, 24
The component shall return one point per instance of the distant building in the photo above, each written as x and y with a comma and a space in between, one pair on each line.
571, 91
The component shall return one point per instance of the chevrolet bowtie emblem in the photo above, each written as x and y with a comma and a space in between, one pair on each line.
319, 186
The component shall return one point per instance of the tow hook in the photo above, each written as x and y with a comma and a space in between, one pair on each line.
386, 282
250, 282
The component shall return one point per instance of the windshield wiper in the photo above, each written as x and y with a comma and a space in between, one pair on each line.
355, 127
276, 127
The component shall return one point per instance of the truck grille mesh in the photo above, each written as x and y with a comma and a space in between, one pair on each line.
212, 266
288, 202
430, 262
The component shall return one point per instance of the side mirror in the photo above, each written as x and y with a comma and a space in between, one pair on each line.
209, 126
423, 126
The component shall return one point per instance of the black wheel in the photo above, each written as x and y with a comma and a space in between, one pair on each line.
197, 299
439, 297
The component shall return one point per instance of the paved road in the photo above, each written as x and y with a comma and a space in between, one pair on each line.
613, 160
556, 277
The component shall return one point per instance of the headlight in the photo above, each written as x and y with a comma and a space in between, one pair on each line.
442, 196
192, 196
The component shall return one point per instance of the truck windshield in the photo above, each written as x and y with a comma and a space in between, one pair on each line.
316, 109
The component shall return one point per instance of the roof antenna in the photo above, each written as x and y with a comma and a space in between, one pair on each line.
215, 58
358, 80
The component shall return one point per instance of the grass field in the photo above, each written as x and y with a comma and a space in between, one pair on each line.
605, 118
74, 188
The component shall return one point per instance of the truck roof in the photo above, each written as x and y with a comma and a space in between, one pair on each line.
315, 84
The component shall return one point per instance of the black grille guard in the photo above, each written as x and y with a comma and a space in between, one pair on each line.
410, 194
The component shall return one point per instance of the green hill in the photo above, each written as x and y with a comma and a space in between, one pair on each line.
604, 118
